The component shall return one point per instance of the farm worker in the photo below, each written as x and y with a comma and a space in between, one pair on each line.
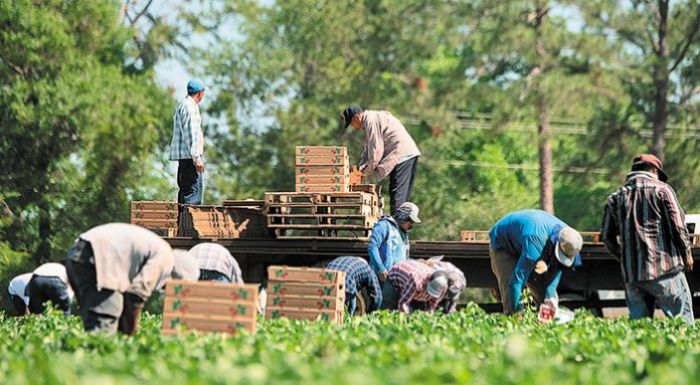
115, 268
528, 241
389, 244
359, 276
388, 150
49, 282
456, 282
216, 263
414, 281
187, 145
644, 228
18, 294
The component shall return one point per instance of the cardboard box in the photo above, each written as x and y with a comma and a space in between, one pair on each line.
209, 306
305, 275
322, 170
322, 179
172, 323
321, 150
305, 289
154, 205
325, 188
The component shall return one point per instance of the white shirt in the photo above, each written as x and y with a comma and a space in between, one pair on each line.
129, 258
17, 286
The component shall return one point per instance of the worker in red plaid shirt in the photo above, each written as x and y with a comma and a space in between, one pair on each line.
415, 281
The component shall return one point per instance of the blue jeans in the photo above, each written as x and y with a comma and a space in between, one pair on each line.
212, 275
190, 182
670, 293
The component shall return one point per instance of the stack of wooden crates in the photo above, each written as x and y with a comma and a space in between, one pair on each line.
208, 222
322, 169
209, 307
305, 293
157, 216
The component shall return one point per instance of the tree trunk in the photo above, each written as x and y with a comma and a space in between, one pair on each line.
543, 128
661, 81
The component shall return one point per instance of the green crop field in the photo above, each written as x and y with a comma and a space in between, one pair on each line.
385, 348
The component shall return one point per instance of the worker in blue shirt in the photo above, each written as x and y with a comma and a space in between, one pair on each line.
389, 245
531, 240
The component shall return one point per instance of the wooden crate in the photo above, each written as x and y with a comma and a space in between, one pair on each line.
302, 179
308, 302
211, 290
322, 160
154, 223
209, 307
322, 170
323, 188
305, 274
321, 150
322, 209
335, 316
306, 288
154, 205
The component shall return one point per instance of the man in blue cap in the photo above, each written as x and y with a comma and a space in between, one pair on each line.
531, 241
187, 146
389, 151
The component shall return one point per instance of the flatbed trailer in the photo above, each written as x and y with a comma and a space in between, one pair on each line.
600, 271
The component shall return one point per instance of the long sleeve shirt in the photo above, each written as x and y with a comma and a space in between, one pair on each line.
129, 258
387, 142
410, 278
212, 256
387, 245
529, 236
644, 227
188, 137
359, 276
18, 285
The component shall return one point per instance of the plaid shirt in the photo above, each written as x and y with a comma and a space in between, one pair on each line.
212, 256
647, 218
359, 276
410, 278
188, 138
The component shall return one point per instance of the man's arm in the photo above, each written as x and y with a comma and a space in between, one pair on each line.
676, 219
378, 237
551, 291
374, 145
532, 249
609, 231
374, 291
407, 294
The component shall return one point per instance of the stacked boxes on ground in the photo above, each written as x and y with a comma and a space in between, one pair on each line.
209, 307
305, 293
157, 216
322, 169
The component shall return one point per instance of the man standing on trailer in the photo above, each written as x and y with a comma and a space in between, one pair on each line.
389, 150
359, 276
187, 146
644, 228
528, 241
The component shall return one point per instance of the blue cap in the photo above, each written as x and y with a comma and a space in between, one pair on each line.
194, 86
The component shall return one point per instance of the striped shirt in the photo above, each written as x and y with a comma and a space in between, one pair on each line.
188, 138
212, 256
410, 278
644, 227
359, 275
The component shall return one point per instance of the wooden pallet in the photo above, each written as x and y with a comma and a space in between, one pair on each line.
322, 209
318, 198
302, 221
318, 233
243, 203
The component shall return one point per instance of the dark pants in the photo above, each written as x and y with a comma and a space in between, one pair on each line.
390, 297
401, 181
213, 275
100, 310
18, 304
44, 288
190, 182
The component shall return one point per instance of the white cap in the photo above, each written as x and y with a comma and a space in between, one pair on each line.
410, 210
568, 247
437, 285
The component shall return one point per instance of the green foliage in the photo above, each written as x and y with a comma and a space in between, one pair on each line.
468, 347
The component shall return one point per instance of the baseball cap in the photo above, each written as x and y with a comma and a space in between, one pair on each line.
437, 285
410, 210
568, 246
349, 112
194, 86
652, 160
